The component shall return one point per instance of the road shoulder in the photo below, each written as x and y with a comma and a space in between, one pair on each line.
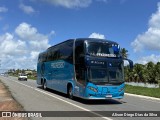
8, 103
142, 96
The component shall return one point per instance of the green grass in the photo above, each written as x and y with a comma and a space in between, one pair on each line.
32, 78
152, 92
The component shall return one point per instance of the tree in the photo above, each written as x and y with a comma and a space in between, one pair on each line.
157, 69
151, 72
139, 73
124, 53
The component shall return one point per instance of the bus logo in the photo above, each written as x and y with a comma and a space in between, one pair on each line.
58, 65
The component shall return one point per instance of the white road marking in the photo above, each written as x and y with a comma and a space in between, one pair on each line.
82, 108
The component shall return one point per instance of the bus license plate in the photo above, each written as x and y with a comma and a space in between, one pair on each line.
109, 96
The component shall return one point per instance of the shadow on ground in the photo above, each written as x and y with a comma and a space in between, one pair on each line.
89, 102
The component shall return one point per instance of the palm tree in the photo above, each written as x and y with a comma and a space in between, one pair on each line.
139, 73
124, 53
151, 70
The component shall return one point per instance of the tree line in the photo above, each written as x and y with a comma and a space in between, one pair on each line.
148, 73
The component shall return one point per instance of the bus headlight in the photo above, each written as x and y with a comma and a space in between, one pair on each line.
121, 89
92, 88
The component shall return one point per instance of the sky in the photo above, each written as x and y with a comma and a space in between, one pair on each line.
28, 27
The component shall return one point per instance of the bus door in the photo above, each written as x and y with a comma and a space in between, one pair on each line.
80, 71
80, 82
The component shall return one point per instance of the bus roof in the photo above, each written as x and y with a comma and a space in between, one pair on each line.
97, 40
87, 39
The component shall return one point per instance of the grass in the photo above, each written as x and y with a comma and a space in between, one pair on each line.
152, 92
32, 78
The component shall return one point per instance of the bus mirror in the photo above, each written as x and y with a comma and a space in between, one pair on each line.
130, 63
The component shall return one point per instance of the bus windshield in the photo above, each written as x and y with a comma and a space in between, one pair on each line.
104, 76
103, 49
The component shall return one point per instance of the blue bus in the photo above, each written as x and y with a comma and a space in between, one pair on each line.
87, 68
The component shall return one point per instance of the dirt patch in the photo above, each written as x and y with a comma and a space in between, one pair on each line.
7, 103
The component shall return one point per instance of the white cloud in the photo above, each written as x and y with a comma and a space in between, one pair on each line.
154, 22
69, 3
3, 9
97, 35
25, 31
144, 60
21, 49
72, 3
150, 39
35, 40
9, 46
27, 9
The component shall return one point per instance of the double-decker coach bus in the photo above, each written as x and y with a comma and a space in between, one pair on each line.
88, 68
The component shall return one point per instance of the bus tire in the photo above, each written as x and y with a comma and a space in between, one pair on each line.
44, 85
70, 92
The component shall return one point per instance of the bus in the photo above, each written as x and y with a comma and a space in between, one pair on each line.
87, 68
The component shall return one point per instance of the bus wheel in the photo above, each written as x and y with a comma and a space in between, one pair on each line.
44, 85
70, 92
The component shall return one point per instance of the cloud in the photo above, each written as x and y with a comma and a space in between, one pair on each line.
21, 49
35, 40
144, 60
150, 39
10, 46
97, 35
69, 3
27, 9
3, 9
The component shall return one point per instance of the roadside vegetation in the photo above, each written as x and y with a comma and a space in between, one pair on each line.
31, 74
152, 92
148, 73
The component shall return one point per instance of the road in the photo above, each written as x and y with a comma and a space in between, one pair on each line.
33, 98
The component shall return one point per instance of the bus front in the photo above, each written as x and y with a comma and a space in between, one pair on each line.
105, 70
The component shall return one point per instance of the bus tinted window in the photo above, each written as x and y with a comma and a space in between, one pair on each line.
66, 51
98, 75
63, 51
103, 49
79, 51
42, 57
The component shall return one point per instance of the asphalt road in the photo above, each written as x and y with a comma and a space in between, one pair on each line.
33, 98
